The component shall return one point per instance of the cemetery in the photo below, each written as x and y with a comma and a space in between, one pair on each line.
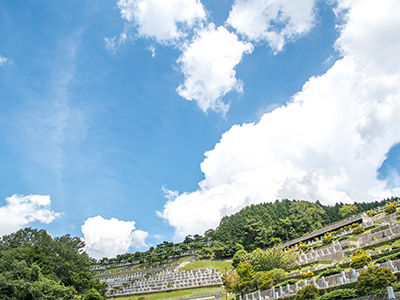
380, 241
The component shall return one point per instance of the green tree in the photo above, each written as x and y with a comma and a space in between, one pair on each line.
348, 210
237, 258
266, 281
35, 266
272, 258
374, 278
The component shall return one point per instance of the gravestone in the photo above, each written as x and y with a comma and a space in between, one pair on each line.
390, 291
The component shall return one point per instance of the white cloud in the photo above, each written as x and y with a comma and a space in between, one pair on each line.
110, 44
327, 143
107, 238
275, 21
163, 20
208, 64
22, 210
5, 61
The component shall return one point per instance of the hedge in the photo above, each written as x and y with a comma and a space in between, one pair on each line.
383, 243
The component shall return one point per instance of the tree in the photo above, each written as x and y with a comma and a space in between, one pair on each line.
308, 292
272, 258
374, 278
205, 252
35, 266
237, 257
348, 210
266, 280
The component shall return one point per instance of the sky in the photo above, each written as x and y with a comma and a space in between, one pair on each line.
131, 122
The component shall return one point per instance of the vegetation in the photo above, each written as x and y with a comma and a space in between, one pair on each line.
391, 208
348, 210
339, 294
360, 259
308, 292
272, 258
216, 265
35, 266
374, 279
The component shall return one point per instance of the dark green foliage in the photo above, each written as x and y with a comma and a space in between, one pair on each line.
237, 257
308, 292
373, 279
259, 226
348, 210
339, 295
35, 266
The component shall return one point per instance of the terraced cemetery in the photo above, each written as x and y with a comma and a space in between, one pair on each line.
324, 260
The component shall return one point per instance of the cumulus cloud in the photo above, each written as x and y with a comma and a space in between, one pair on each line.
326, 143
22, 210
274, 21
208, 64
107, 238
164, 20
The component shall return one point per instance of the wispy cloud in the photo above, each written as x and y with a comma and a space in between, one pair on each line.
5, 61
48, 123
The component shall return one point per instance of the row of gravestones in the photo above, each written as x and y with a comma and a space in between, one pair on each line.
316, 254
328, 251
164, 280
323, 282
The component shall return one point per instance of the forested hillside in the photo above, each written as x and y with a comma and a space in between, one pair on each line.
263, 225
35, 266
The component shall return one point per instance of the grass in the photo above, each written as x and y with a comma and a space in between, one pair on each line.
175, 295
131, 269
216, 265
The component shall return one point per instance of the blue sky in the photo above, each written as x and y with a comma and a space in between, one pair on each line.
98, 138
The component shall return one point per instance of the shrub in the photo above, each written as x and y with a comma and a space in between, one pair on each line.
360, 259
339, 295
308, 292
358, 230
287, 281
307, 275
326, 240
391, 208
330, 271
303, 247
374, 279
